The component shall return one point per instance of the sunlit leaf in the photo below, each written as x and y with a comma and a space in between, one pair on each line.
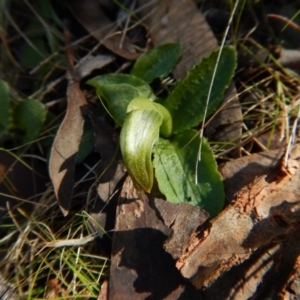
174, 163
187, 101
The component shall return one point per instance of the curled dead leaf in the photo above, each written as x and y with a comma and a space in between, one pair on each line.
65, 147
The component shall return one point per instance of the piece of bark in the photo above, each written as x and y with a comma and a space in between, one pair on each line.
241, 172
138, 264
183, 219
140, 268
242, 281
264, 213
271, 272
287, 281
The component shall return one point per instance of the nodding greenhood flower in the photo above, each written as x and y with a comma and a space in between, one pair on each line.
143, 123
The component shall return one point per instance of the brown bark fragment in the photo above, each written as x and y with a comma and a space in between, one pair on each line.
140, 267
261, 219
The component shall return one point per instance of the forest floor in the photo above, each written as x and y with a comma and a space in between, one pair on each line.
75, 225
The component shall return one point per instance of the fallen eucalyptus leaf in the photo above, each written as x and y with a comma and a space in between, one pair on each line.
65, 147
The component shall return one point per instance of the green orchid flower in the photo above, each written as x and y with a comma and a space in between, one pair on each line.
143, 123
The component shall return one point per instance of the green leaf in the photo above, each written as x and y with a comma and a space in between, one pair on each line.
5, 107
186, 103
118, 90
138, 135
29, 116
157, 62
174, 163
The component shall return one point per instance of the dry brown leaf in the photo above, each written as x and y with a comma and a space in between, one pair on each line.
226, 125
121, 45
91, 63
55, 289
180, 21
241, 172
103, 294
265, 215
106, 144
92, 18
65, 147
